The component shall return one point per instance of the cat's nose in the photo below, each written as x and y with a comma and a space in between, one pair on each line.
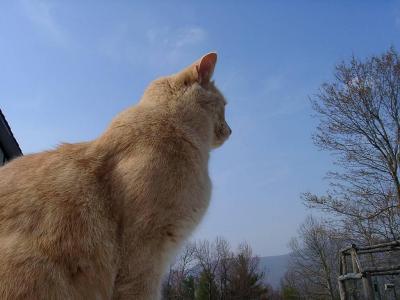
229, 130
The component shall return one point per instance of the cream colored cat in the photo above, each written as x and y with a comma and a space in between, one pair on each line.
101, 220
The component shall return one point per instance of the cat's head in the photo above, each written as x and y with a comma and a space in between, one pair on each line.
193, 88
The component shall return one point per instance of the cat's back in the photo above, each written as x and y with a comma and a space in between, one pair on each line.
43, 177
24, 184
51, 226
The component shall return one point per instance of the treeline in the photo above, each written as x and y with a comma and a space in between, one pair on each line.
212, 271
359, 123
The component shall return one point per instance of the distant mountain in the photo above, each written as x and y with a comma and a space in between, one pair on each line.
275, 268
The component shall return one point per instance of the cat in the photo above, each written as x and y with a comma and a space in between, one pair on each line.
102, 219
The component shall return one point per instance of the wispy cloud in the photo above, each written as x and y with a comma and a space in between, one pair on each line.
283, 101
396, 14
190, 36
41, 13
273, 84
266, 175
397, 21
155, 46
173, 39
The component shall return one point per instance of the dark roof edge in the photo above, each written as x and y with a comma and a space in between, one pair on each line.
7, 139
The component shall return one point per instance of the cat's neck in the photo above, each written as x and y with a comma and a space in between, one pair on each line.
195, 126
144, 124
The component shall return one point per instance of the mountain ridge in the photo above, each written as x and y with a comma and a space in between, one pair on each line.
274, 268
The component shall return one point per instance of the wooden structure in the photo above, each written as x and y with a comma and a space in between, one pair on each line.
356, 271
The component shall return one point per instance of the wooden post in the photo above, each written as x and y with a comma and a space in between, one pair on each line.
343, 271
368, 289
354, 264
342, 290
356, 269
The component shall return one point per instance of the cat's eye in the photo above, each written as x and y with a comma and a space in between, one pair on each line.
186, 82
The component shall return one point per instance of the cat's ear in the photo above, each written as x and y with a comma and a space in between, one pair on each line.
205, 67
200, 71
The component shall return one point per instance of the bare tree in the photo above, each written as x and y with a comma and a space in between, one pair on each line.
291, 285
224, 268
183, 267
208, 260
360, 125
246, 276
210, 270
176, 282
313, 267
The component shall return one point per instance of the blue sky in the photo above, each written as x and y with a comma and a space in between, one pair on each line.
67, 67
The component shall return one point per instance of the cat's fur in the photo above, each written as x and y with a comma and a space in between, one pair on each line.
101, 220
